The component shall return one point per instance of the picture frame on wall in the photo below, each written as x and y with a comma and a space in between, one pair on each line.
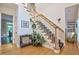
24, 24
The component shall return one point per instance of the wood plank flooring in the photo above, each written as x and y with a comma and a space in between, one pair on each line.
69, 49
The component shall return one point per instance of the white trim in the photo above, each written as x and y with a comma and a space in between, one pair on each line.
0, 29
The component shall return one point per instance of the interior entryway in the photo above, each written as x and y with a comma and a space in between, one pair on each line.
71, 15
6, 28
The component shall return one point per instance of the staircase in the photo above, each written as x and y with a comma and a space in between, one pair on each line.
50, 31
46, 33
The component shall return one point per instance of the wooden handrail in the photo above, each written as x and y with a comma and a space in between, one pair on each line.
51, 23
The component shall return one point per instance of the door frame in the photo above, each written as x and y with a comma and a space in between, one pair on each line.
12, 24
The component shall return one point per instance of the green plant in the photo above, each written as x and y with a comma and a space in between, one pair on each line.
33, 25
37, 39
31, 20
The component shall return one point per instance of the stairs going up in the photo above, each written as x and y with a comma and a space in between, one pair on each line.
46, 33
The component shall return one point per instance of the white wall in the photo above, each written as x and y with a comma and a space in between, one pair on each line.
23, 15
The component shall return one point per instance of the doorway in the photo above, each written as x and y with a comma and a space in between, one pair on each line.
71, 17
6, 29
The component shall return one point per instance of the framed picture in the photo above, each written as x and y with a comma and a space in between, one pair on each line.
24, 24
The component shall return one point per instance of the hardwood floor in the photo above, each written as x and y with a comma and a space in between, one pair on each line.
69, 49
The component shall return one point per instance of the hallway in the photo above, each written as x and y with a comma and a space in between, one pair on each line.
70, 49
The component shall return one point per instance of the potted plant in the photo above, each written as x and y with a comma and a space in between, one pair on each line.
37, 39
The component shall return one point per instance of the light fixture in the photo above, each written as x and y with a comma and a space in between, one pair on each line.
59, 19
